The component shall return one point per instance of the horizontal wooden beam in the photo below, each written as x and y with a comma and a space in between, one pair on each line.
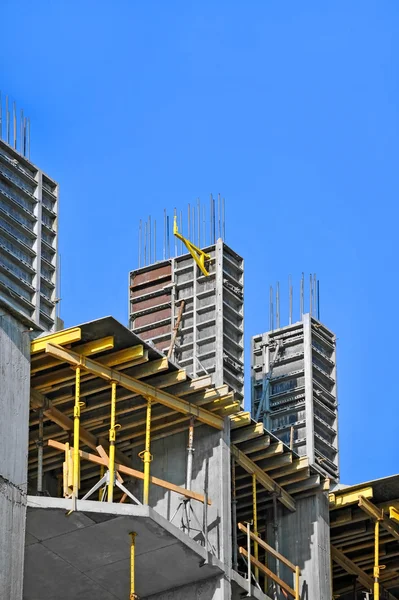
134, 473
263, 478
241, 419
135, 385
268, 572
253, 430
350, 567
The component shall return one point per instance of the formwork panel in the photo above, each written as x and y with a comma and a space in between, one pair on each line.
210, 333
294, 390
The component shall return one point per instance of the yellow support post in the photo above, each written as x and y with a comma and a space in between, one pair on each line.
146, 455
76, 427
112, 439
133, 595
255, 520
376, 560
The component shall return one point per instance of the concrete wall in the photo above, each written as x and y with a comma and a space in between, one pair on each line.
304, 538
211, 462
210, 589
14, 427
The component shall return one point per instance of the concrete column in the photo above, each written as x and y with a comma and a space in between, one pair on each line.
304, 538
14, 429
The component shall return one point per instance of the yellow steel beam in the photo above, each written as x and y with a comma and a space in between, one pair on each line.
198, 255
67, 336
394, 514
144, 389
146, 455
49, 380
263, 478
341, 499
88, 349
378, 514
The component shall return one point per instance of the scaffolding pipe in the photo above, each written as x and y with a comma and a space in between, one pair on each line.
133, 595
76, 426
255, 520
112, 438
190, 454
147, 455
40, 455
376, 595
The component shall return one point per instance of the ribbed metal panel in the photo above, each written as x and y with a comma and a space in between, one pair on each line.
210, 336
294, 389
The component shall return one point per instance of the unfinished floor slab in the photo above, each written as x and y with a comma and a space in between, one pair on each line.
87, 554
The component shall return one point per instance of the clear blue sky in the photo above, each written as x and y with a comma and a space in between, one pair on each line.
289, 109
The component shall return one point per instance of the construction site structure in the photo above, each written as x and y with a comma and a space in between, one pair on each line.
196, 319
28, 240
294, 389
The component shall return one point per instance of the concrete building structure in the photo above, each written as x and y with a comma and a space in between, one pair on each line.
294, 389
28, 240
210, 328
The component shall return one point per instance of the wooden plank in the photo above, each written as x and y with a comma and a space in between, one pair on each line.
268, 548
136, 385
134, 473
268, 572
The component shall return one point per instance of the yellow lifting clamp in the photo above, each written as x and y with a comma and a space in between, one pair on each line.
198, 255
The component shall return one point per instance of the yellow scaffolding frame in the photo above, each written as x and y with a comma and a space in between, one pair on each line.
146, 455
255, 524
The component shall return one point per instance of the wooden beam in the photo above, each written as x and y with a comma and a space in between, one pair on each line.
268, 572
134, 473
262, 478
241, 419
244, 434
135, 385
350, 567
256, 444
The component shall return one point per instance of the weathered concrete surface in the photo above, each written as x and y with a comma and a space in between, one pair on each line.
14, 428
86, 555
304, 538
211, 464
